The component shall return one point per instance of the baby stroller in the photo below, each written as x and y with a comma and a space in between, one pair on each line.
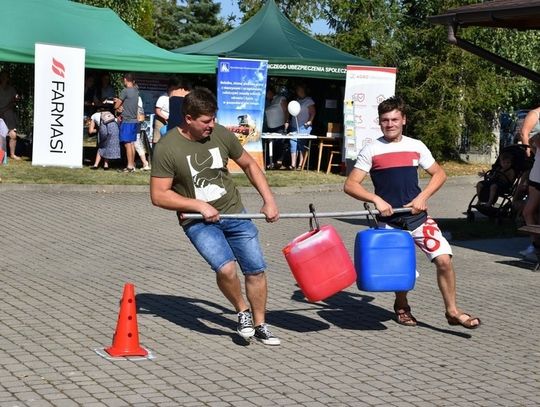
502, 206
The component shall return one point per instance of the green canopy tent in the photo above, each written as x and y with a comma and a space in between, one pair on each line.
109, 42
291, 52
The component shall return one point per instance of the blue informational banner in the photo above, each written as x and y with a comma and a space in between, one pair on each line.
241, 90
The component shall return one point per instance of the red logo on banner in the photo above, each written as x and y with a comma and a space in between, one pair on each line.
58, 68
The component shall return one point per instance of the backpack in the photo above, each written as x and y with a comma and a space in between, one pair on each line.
107, 125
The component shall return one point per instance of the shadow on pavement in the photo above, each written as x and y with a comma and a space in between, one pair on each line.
354, 312
522, 264
197, 314
349, 311
444, 331
191, 313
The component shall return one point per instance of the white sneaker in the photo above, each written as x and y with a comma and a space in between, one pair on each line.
146, 167
528, 251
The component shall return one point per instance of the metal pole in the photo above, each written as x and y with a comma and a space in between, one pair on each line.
294, 215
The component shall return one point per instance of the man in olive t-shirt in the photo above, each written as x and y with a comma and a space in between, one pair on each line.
189, 175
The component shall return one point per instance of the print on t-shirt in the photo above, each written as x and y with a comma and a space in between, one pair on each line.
206, 175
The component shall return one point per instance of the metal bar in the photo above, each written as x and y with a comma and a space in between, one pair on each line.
294, 215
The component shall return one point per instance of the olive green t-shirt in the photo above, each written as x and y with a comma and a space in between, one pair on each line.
199, 168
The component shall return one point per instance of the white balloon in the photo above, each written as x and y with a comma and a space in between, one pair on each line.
294, 108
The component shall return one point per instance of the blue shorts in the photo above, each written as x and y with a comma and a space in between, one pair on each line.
128, 132
228, 240
298, 145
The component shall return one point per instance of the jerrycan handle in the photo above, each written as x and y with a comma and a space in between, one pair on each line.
313, 219
370, 216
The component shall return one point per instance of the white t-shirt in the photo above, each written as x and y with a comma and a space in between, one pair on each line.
303, 116
163, 104
96, 118
275, 116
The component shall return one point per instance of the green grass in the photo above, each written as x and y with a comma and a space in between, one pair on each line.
22, 172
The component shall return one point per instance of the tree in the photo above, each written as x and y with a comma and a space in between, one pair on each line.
365, 28
199, 21
192, 21
300, 12
135, 13
453, 95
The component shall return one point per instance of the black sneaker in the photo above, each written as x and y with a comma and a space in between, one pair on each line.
263, 334
245, 325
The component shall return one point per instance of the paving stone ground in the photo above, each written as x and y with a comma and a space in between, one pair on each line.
68, 251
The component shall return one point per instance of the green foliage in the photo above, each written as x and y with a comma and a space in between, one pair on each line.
301, 12
365, 28
135, 13
22, 79
199, 21
191, 21
452, 94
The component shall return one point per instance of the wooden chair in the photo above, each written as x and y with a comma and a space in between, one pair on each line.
307, 150
322, 146
330, 163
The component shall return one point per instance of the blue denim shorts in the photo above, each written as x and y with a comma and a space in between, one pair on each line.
297, 145
228, 240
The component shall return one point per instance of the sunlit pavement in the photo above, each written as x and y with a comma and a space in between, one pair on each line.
67, 253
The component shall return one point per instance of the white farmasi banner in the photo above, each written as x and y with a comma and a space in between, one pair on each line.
365, 88
58, 106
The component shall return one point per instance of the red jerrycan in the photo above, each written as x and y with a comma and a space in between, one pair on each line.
384, 259
319, 261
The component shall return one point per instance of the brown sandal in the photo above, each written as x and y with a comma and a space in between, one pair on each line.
466, 324
404, 316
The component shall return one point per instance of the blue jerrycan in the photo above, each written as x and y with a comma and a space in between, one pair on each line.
384, 260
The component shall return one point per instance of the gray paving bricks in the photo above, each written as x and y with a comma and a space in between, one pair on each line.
68, 251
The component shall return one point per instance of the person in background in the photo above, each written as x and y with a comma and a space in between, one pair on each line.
8, 98
305, 123
275, 115
139, 144
3, 134
497, 181
392, 162
127, 103
189, 175
104, 91
106, 127
530, 135
161, 115
90, 98
178, 89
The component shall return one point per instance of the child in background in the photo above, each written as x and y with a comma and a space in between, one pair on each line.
496, 181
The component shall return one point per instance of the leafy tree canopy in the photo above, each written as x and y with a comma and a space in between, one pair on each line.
451, 93
135, 13
177, 24
301, 12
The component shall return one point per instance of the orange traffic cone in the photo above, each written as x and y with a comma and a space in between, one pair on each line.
126, 337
